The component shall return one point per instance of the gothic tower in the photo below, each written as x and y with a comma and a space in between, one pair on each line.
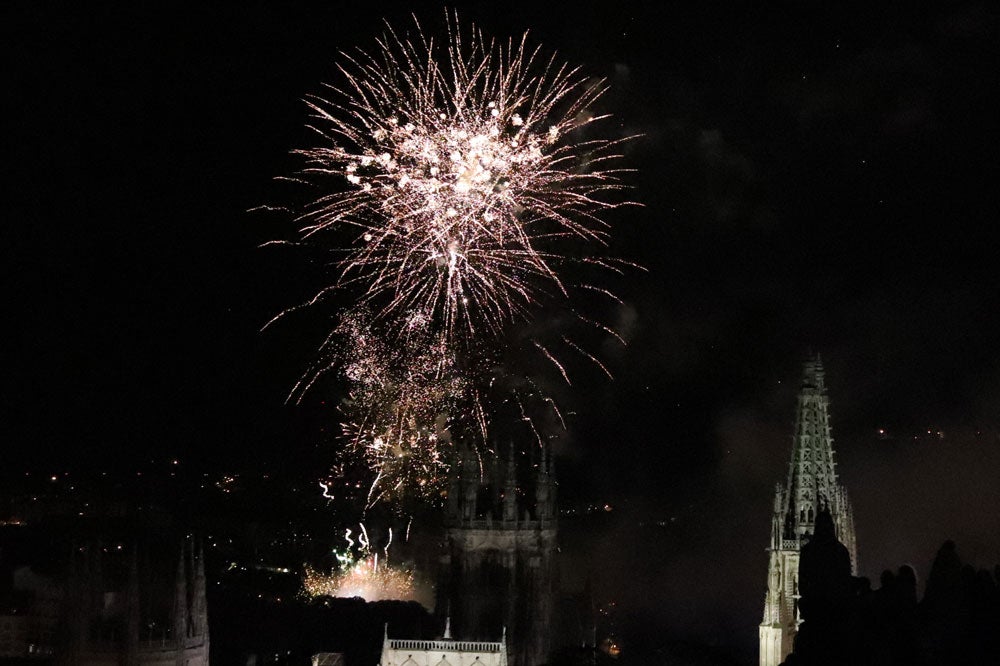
498, 573
811, 486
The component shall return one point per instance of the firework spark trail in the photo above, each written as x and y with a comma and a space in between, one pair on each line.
555, 410
531, 424
603, 327
607, 292
553, 360
588, 355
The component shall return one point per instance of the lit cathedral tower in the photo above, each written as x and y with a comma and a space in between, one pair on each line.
499, 570
812, 486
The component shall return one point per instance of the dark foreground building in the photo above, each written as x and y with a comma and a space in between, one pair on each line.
109, 599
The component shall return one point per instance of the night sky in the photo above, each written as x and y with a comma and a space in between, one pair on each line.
814, 176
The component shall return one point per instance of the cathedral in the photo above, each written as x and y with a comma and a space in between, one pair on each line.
498, 572
811, 487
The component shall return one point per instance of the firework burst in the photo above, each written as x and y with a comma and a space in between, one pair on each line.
459, 184
459, 177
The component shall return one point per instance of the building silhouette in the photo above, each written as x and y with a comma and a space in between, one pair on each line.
112, 603
498, 571
811, 488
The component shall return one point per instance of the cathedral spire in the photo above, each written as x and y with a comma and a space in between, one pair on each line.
471, 482
545, 486
812, 487
200, 598
453, 510
812, 475
181, 597
510, 489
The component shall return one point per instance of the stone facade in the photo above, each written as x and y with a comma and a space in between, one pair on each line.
443, 652
499, 571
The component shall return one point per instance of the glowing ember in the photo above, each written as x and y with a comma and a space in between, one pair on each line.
363, 576
361, 579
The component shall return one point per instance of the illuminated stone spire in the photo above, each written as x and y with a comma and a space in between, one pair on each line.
811, 486
545, 487
812, 473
